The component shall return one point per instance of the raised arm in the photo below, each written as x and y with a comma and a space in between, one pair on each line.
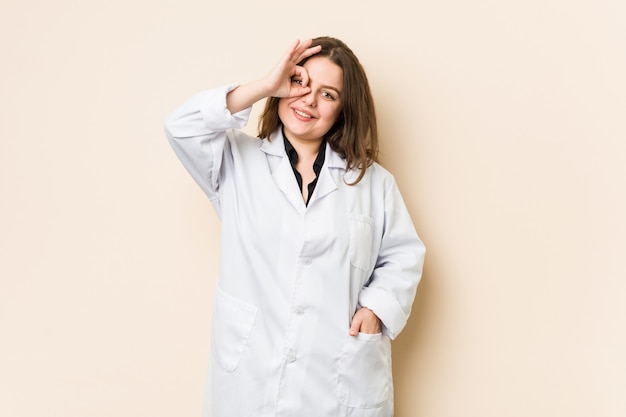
198, 129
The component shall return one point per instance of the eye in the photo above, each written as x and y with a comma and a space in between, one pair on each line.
328, 95
296, 81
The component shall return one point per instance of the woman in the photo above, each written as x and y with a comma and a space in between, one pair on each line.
320, 260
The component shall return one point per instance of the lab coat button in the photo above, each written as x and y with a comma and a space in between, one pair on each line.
290, 356
306, 261
299, 310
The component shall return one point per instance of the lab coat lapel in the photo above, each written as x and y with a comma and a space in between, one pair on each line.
326, 183
286, 181
283, 173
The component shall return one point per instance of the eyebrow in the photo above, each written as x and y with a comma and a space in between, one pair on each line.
330, 87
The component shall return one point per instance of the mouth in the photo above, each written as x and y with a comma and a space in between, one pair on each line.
302, 115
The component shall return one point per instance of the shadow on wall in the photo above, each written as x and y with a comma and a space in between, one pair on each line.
411, 350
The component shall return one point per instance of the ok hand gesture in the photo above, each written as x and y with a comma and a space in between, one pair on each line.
278, 82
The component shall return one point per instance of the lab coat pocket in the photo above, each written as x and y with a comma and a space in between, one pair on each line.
361, 231
365, 371
232, 324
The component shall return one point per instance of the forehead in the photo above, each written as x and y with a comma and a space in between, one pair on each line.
324, 71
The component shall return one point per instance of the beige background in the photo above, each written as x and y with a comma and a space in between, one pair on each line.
503, 121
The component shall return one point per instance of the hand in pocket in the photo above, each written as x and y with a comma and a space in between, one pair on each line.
365, 321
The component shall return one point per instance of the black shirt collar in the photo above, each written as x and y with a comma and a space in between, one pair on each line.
292, 154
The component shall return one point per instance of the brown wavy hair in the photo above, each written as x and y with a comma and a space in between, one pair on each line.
354, 135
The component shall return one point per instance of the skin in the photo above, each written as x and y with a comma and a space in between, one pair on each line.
309, 106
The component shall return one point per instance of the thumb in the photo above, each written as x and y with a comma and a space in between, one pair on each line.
356, 325
299, 91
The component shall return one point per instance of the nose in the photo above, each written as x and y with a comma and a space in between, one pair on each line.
309, 99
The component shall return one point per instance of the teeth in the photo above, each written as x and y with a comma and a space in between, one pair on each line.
299, 113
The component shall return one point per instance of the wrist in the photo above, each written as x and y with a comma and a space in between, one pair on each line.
261, 88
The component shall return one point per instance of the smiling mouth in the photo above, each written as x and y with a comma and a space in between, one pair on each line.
302, 114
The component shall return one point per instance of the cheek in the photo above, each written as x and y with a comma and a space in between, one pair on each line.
333, 114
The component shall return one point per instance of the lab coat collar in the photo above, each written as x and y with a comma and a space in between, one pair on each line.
276, 147
283, 174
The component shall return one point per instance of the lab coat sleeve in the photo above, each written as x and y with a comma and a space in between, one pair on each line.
398, 270
198, 133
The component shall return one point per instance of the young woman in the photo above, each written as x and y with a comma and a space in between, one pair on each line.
320, 260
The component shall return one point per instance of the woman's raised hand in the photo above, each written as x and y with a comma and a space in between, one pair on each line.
279, 80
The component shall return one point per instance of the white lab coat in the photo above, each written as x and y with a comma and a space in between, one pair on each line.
292, 276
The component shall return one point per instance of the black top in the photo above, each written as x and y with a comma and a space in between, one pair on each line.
317, 165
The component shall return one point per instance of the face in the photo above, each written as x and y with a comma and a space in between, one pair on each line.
309, 117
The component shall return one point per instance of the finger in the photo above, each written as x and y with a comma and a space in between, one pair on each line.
302, 46
292, 51
356, 325
309, 52
303, 74
370, 327
297, 49
370, 321
298, 91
